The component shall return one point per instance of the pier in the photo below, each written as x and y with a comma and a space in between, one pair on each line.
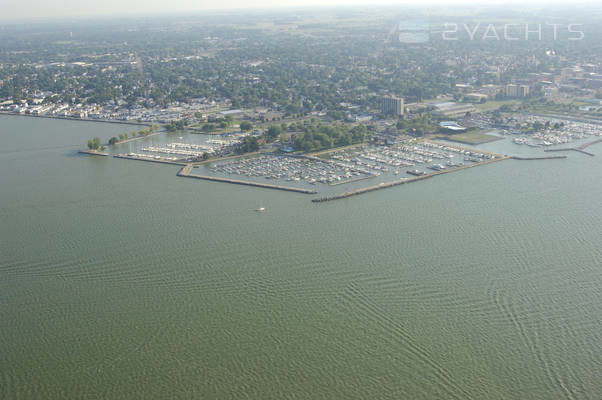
580, 149
154, 160
402, 181
93, 153
577, 149
185, 172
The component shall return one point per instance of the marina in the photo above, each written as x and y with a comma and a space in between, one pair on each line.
556, 130
339, 167
185, 172
385, 185
291, 169
298, 173
300, 201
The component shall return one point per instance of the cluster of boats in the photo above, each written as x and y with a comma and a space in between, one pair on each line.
151, 157
385, 159
189, 154
376, 160
557, 131
347, 165
287, 168
190, 150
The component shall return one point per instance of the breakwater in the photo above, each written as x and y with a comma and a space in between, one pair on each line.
93, 153
185, 172
402, 181
154, 160
580, 149
537, 158
569, 149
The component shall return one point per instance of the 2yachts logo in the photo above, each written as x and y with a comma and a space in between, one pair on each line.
510, 32
420, 31
414, 31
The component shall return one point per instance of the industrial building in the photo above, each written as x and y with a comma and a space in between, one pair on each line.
450, 108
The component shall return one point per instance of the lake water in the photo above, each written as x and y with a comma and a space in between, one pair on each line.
119, 280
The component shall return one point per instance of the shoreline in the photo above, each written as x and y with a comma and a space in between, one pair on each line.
106, 121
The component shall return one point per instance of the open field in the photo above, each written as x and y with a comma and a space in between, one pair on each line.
470, 138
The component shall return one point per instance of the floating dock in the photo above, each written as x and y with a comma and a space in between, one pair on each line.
185, 172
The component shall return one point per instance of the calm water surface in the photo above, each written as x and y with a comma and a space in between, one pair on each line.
119, 280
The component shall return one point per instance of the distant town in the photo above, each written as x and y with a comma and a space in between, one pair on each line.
260, 88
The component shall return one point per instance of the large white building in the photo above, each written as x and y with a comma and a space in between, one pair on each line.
450, 108
517, 90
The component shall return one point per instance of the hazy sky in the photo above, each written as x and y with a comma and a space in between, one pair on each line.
17, 9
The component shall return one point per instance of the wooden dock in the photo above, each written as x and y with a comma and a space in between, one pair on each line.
185, 172
402, 181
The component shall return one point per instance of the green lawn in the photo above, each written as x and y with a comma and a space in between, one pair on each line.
470, 138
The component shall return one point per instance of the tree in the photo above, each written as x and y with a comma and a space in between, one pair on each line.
113, 140
248, 144
246, 126
94, 144
208, 127
537, 126
176, 125
273, 132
